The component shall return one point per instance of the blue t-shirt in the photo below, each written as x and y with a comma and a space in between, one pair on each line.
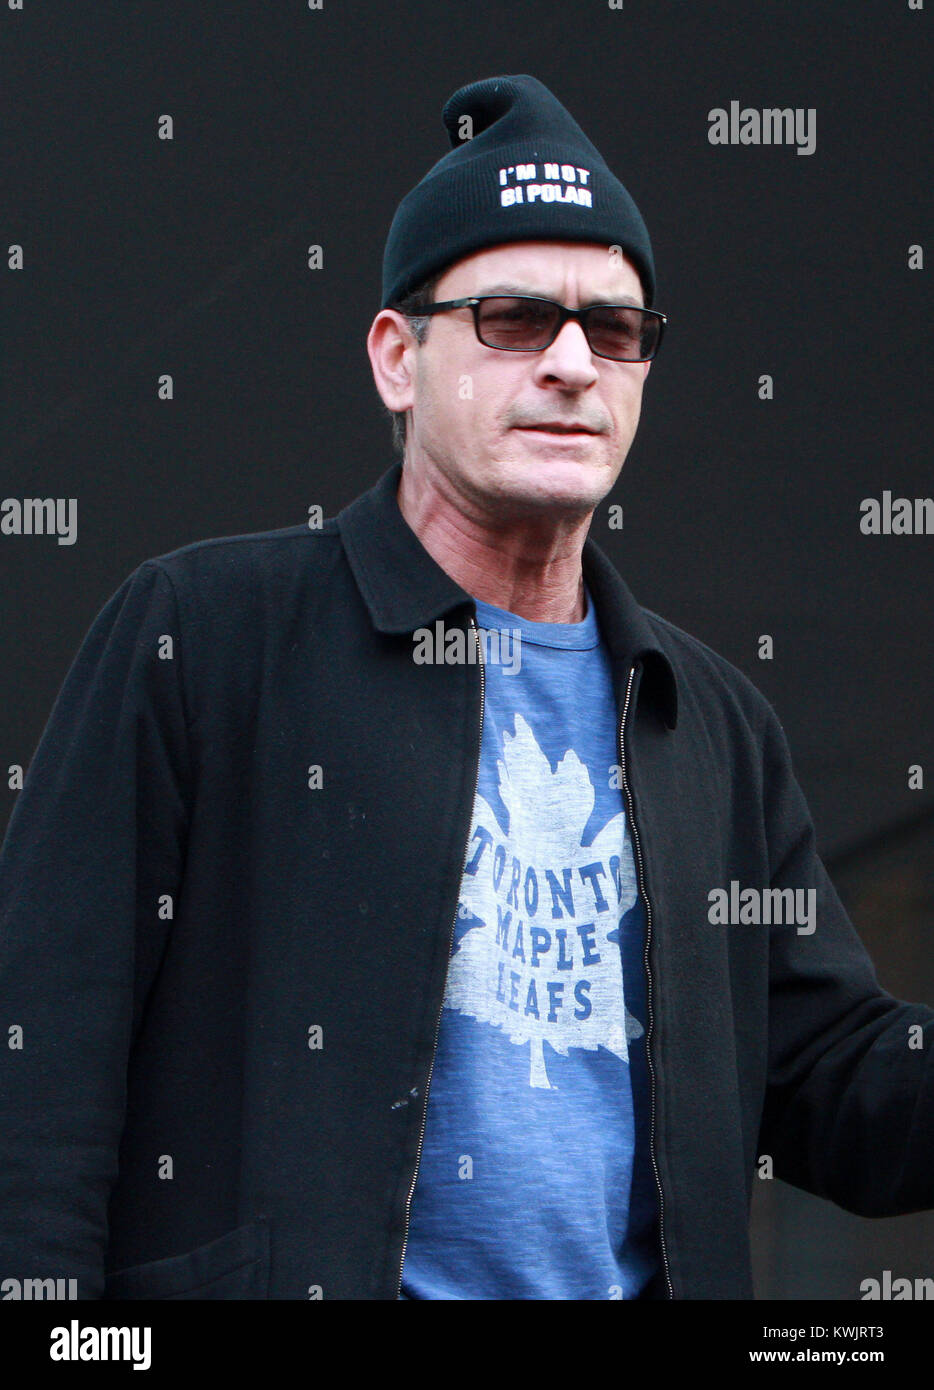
535, 1179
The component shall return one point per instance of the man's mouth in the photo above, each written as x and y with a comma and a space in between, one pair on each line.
557, 428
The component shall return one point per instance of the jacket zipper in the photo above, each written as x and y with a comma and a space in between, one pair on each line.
648, 977
421, 1137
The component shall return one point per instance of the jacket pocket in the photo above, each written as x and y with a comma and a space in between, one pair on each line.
236, 1265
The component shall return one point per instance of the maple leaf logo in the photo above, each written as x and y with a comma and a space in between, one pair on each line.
539, 919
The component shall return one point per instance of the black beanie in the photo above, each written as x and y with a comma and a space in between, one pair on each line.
528, 173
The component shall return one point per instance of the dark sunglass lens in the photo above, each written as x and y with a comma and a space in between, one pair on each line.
626, 334
516, 323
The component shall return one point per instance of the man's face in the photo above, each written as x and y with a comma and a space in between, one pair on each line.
479, 412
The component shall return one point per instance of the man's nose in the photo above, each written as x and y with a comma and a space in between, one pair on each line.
569, 356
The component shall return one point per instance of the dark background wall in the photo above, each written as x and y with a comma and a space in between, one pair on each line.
297, 126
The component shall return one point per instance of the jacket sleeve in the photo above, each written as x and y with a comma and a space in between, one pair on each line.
96, 837
849, 1110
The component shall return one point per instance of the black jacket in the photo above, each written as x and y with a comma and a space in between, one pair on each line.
179, 907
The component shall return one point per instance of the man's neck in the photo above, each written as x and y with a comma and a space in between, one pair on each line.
532, 568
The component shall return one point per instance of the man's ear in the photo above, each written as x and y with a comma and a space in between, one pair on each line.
391, 348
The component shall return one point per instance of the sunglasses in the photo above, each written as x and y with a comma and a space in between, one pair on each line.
523, 323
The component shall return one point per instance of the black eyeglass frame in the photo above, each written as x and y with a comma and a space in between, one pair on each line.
564, 313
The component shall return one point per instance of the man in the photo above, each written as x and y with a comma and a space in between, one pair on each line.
346, 952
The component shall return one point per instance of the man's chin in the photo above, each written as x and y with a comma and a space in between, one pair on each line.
550, 484
556, 480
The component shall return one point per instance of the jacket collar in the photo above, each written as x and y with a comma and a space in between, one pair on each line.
404, 588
